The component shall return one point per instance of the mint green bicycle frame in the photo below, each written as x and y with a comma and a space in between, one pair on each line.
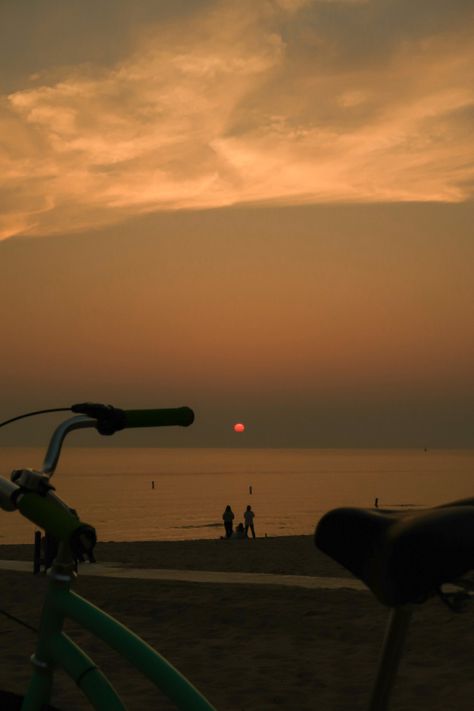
33, 497
55, 649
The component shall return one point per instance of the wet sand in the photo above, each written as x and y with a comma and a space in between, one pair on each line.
248, 647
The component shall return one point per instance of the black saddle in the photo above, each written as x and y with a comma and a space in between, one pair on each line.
403, 557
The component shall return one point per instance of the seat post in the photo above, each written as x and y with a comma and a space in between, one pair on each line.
395, 636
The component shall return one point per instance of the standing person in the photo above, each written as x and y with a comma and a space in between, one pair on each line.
248, 518
228, 518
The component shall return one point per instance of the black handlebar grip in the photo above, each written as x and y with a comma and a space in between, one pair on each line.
164, 417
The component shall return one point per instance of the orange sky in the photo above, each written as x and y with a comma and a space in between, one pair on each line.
261, 210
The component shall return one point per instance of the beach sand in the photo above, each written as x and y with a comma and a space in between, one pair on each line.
248, 647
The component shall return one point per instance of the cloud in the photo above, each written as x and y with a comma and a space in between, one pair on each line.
245, 103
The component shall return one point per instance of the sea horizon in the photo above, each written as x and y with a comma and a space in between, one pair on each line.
162, 493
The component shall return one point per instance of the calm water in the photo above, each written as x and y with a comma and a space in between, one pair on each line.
291, 489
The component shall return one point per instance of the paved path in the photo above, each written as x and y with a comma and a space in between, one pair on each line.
115, 570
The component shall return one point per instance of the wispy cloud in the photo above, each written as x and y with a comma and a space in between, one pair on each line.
248, 102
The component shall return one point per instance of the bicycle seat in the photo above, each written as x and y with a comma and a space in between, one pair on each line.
402, 556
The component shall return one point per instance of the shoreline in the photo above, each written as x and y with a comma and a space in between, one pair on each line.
282, 555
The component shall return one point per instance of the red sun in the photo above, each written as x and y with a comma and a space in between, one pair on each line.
239, 427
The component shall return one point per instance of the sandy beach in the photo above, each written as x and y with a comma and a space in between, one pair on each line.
248, 647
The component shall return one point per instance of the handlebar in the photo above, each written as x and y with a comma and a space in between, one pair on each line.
30, 492
112, 419
182, 416
107, 420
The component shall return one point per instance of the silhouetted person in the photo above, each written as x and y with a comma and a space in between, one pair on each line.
239, 532
228, 518
248, 518
376, 503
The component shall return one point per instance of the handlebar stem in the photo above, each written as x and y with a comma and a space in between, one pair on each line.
51, 459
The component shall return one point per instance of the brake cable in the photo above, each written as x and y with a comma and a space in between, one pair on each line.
20, 622
36, 412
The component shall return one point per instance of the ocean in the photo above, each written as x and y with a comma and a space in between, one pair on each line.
134, 494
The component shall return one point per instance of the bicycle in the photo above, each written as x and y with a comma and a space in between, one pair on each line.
31, 492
